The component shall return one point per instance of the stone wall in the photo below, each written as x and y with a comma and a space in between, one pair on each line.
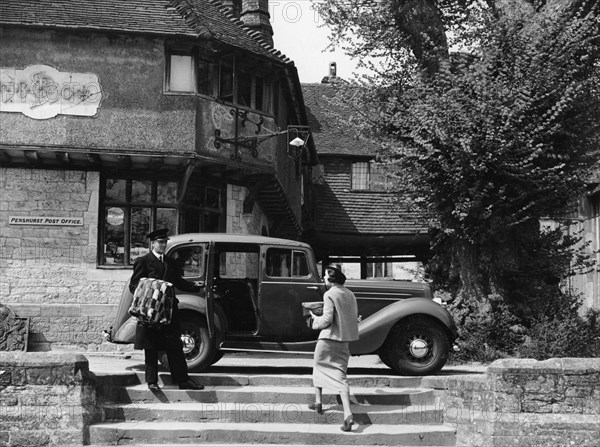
524, 402
46, 399
48, 273
239, 222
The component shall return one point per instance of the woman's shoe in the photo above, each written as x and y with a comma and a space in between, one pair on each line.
316, 407
348, 422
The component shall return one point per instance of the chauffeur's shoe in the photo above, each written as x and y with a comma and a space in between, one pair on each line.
190, 385
153, 387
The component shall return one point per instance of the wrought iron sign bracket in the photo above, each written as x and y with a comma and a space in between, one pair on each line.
295, 146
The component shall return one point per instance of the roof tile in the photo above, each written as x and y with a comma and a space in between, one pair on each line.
329, 135
192, 18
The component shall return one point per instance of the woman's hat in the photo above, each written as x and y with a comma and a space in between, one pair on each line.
335, 274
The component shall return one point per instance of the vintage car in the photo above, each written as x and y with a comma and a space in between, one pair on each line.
251, 300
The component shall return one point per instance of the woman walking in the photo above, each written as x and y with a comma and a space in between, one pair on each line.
339, 326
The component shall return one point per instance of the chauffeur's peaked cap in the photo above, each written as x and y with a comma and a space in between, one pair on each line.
158, 234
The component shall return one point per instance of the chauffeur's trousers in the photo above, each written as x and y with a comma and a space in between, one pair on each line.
177, 365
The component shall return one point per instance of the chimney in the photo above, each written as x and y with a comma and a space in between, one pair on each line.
333, 69
332, 77
255, 15
233, 6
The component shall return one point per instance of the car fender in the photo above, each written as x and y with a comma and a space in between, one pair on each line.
195, 303
374, 330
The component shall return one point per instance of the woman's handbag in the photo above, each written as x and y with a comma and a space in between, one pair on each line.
153, 302
316, 307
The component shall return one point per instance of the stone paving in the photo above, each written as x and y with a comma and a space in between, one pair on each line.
262, 362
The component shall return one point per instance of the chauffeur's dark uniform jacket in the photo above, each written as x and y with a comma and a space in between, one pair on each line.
149, 266
166, 338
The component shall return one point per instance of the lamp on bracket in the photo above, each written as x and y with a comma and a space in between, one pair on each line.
300, 135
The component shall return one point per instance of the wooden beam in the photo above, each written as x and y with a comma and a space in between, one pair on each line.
254, 191
156, 163
32, 156
124, 161
5, 156
190, 166
63, 158
94, 159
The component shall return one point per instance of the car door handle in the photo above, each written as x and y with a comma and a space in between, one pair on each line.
312, 287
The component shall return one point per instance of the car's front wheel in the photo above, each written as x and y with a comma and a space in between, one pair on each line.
415, 347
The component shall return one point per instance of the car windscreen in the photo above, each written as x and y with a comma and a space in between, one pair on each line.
190, 261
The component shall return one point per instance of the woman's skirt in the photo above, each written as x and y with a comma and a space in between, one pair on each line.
330, 365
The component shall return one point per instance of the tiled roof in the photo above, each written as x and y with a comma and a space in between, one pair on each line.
192, 18
330, 136
340, 210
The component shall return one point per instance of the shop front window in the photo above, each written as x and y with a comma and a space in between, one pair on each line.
131, 208
140, 227
114, 227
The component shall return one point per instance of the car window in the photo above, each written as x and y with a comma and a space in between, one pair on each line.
286, 263
238, 261
190, 261
300, 264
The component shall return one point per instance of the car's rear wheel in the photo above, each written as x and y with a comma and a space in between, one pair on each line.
416, 347
198, 347
199, 350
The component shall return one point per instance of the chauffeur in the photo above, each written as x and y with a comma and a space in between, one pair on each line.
156, 264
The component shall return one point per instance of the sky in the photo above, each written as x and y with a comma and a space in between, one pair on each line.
298, 32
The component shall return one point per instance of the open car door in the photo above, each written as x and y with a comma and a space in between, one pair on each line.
210, 293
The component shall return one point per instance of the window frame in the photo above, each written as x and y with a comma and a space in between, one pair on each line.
204, 216
293, 253
371, 171
128, 204
211, 84
179, 51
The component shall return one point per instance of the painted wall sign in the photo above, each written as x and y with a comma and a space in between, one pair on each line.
45, 220
42, 92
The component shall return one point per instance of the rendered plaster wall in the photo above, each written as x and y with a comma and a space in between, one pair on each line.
45, 400
48, 273
134, 113
524, 402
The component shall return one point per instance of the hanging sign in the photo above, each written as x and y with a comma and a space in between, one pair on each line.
42, 92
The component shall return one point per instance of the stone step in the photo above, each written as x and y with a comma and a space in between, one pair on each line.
153, 432
296, 380
215, 379
270, 413
274, 394
224, 445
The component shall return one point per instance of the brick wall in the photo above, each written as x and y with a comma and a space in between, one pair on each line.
48, 273
45, 400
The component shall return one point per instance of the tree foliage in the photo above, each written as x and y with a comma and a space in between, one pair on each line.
488, 130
